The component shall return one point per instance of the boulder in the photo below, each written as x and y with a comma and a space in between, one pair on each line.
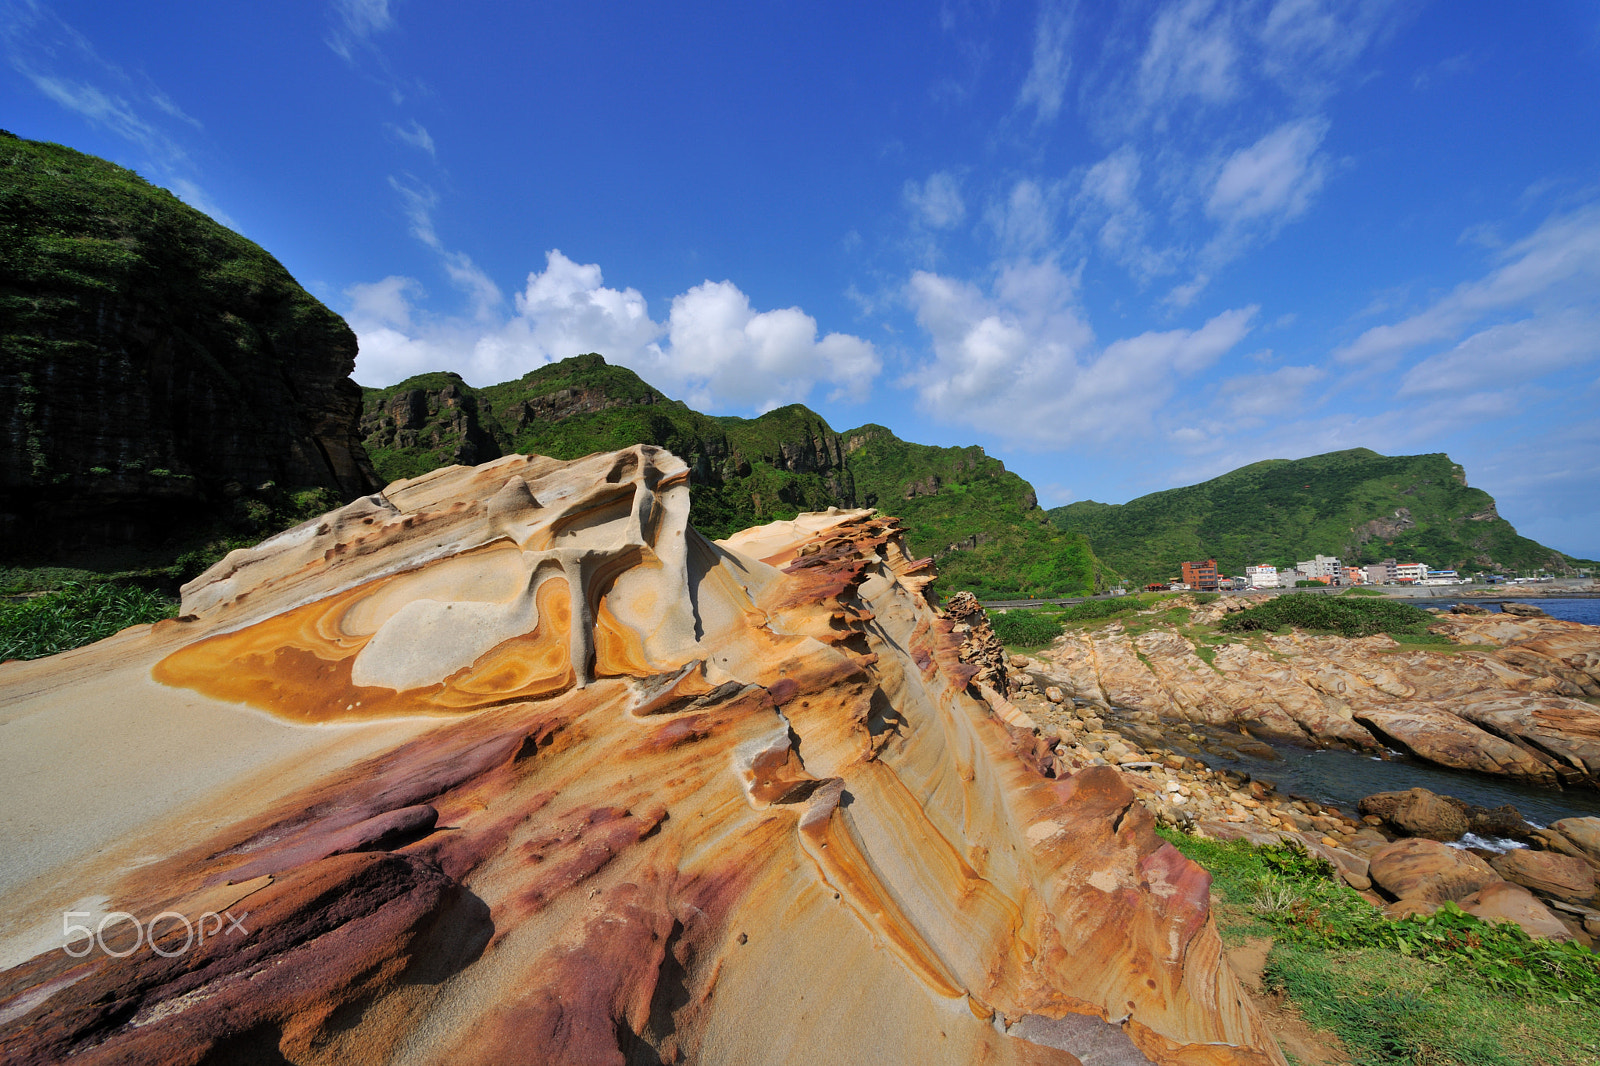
1468, 608
1504, 821
1582, 833
1522, 610
1428, 870
1502, 901
1406, 908
1423, 814
1556, 875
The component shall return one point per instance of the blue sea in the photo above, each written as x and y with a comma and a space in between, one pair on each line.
1573, 609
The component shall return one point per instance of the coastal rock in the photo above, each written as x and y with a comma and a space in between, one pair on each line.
1546, 872
1502, 901
1583, 834
1516, 704
1421, 869
1420, 813
1523, 610
610, 787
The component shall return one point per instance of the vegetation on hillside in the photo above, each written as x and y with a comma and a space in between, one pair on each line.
1358, 505
1444, 988
75, 615
741, 475
978, 520
964, 508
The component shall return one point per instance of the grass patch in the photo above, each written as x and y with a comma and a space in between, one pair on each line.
1334, 614
1360, 591
1445, 989
1022, 628
1093, 610
74, 616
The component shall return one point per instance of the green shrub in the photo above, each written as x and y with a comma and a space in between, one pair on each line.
1346, 617
75, 615
1090, 610
1025, 629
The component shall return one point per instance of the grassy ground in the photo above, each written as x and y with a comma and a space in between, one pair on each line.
1446, 990
76, 615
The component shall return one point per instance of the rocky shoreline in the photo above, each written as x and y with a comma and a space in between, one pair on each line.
1505, 694
1407, 852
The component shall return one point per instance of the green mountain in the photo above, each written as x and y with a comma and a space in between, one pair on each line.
979, 521
961, 506
161, 373
1358, 505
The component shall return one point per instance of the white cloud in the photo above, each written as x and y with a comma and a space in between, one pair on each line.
1024, 223
357, 21
1108, 203
1021, 361
418, 200
937, 202
1551, 271
1307, 44
714, 350
416, 135
1272, 180
1255, 395
1047, 76
1508, 355
1191, 52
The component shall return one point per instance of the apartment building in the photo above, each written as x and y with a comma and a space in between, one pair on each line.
1322, 567
1262, 577
1202, 577
1384, 573
1411, 572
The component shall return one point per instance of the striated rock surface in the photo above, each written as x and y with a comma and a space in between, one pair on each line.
1513, 700
508, 763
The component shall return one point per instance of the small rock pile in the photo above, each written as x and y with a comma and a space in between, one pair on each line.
979, 645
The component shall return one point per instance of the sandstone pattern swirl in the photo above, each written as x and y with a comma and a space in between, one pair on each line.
509, 764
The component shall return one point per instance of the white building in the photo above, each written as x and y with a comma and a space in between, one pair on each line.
1327, 566
1411, 572
1262, 577
1442, 577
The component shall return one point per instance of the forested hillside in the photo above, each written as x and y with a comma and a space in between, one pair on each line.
1358, 505
980, 520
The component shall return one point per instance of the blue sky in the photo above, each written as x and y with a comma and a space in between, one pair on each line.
1124, 247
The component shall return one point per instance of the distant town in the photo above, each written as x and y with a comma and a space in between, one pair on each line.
1322, 570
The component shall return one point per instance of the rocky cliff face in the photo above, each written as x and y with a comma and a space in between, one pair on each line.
155, 361
522, 767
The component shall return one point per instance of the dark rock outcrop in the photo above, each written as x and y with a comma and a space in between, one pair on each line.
155, 361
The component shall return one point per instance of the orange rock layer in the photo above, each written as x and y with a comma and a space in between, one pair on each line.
621, 795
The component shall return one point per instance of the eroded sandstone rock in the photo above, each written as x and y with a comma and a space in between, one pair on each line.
1420, 869
509, 761
1546, 872
1502, 901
